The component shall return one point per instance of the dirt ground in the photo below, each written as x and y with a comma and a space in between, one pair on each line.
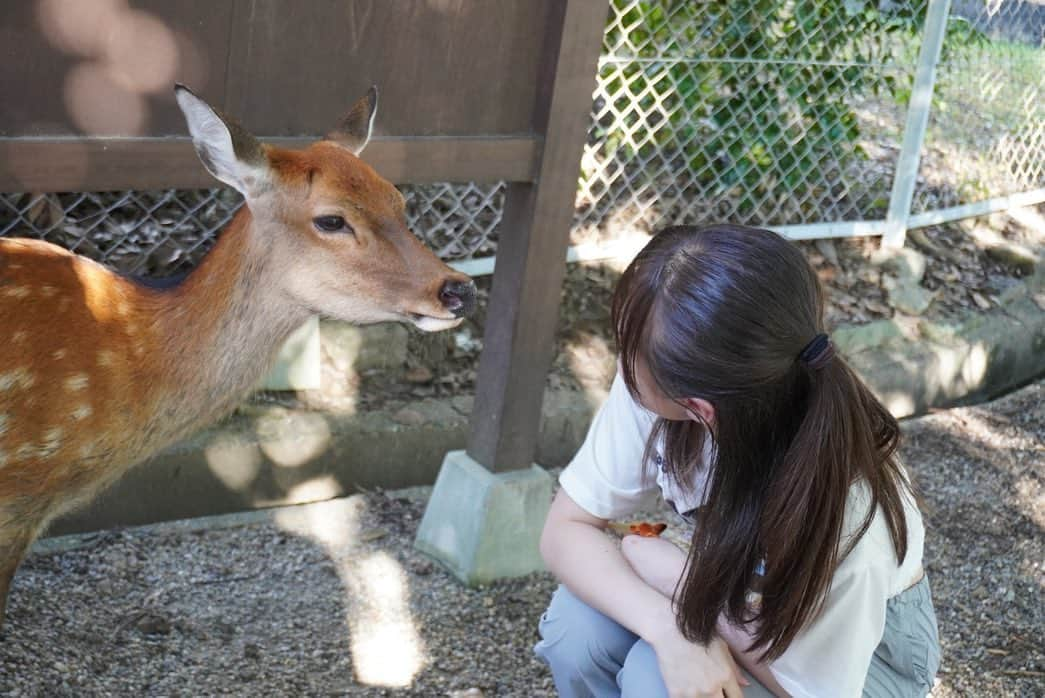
332, 599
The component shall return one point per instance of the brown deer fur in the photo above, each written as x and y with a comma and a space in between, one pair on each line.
98, 372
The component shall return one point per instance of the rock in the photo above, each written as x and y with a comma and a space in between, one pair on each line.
1014, 256
153, 624
906, 264
855, 338
907, 296
409, 417
463, 404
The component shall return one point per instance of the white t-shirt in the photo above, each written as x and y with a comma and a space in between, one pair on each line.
831, 655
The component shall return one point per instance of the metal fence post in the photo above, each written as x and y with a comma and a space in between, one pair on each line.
917, 119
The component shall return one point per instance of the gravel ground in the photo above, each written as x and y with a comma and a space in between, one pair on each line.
331, 598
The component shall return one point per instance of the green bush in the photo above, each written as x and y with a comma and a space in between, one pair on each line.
760, 105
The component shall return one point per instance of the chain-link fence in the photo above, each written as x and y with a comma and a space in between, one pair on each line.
763, 112
752, 112
161, 233
986, 131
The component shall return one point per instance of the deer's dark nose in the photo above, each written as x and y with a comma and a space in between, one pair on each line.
458, 297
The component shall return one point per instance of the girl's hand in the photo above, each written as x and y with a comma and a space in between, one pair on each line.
690, 670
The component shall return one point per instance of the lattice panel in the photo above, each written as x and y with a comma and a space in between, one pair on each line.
986, 132
755, 112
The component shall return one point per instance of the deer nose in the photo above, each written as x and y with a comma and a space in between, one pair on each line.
458, 297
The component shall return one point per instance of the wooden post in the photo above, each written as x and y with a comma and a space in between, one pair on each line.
523, 308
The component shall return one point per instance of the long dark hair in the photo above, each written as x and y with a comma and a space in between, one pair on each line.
722, 313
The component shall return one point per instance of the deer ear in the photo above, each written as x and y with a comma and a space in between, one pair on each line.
354, 129
226, 149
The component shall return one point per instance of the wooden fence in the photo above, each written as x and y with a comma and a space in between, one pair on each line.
471, 90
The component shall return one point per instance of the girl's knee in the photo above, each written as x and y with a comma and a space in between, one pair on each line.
640, 675
575, 634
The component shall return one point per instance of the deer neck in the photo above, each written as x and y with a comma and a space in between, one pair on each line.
223, 326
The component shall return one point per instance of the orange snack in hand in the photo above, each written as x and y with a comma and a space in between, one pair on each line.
639, 528
647, 530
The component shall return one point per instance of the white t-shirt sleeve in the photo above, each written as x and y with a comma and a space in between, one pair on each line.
831, 657
605, 477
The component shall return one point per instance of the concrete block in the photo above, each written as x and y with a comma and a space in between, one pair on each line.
485, 526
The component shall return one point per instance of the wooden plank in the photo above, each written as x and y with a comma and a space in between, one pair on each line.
79, 164
445, 67
102, 68
523, 309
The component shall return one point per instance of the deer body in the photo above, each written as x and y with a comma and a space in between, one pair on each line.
98, 371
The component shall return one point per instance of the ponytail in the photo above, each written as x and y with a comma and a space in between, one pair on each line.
725, 313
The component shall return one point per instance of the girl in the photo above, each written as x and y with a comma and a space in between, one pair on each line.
805, 563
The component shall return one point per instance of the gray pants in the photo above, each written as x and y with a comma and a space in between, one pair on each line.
591, 655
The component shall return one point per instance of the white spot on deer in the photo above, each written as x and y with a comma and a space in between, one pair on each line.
3, 424
58, 354
52, 441
77, 381
82, 412
19, 336
18, 378
17, 292
106, 358
48, 291
85, 451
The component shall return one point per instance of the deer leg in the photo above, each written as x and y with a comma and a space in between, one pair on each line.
14, 542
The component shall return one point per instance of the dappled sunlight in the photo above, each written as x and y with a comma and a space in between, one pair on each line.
953, 371
387, 649
292, 439
333, 524
1027, 493
141, 52
78, 28
126, 54
592, 363
974, 368
386, 644
234, 461
898, 404
1030, 219
315, 489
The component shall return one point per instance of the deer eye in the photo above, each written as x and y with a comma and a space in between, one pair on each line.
332, 224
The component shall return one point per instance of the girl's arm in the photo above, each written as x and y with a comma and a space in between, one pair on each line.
661, 564
592, 566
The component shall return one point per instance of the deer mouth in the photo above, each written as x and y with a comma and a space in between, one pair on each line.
430, 323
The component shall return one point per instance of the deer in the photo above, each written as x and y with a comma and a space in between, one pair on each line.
99, 371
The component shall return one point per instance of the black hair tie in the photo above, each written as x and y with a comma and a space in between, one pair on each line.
818, 352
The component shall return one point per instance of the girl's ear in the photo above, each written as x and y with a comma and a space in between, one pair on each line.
700, 410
